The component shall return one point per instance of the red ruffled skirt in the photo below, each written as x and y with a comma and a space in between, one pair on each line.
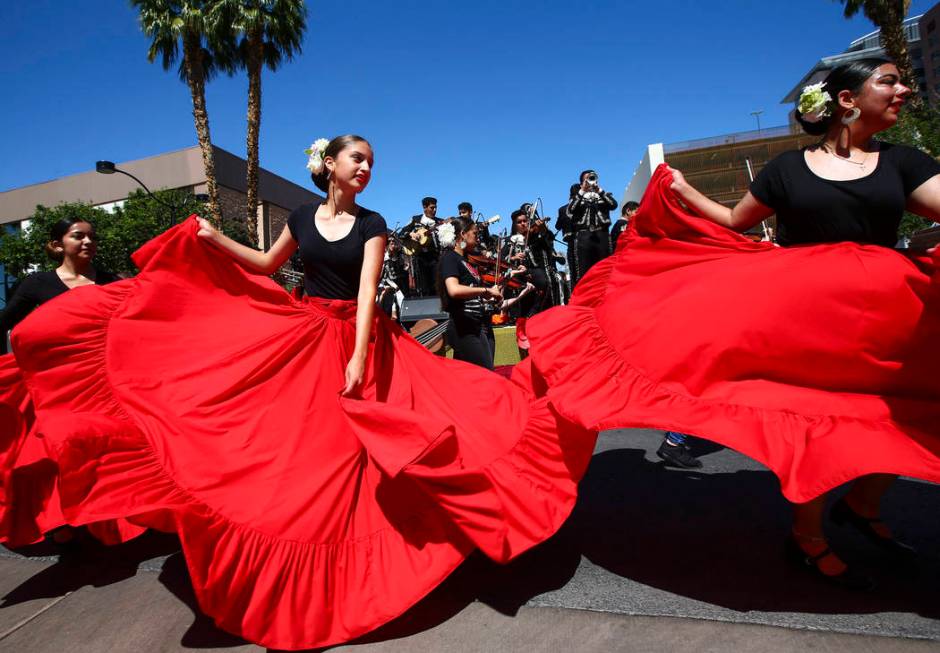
202, 399
29, 491
821, 362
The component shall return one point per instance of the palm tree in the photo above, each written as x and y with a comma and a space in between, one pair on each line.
888, 16
266, 32
172, 25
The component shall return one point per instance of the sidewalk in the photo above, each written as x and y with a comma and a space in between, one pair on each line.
652, 559
48, 608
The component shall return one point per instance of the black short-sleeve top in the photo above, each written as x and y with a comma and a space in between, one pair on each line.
462, 311
332, 268
37, 289
867, 210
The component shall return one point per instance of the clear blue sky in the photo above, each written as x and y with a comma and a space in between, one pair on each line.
494, 102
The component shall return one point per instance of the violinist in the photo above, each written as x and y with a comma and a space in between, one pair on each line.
531, 247
420, 241
541, 259
394, 279
464, 296
484, 240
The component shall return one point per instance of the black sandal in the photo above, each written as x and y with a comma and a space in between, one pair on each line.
842, 514
849, 579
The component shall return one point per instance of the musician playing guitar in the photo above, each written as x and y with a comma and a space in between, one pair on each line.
419, 241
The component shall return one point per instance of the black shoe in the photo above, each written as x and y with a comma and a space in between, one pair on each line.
678, 455
64, 547
850, 579
842, 514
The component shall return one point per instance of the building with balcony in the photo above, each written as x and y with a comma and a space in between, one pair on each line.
930, 52
721, 167
869, 45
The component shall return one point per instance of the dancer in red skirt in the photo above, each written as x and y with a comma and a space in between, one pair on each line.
29, 497
309, 454
817, 358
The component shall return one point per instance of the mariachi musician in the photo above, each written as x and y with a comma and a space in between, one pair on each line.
532, 246
393, 281
419, 242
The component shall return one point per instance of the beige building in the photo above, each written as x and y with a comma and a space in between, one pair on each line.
721, 167
181, 169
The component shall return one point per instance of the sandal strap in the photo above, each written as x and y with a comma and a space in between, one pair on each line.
819, 556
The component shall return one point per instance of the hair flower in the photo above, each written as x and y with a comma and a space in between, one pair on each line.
446, 234
316, 152
813, 104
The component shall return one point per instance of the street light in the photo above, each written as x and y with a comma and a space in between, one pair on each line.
756, 114
108, 168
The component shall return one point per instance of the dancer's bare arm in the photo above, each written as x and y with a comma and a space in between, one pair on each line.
373, 253
255, 260
746, 213
925, 200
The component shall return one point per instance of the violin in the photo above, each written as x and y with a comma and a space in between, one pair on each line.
480, 261
503, 280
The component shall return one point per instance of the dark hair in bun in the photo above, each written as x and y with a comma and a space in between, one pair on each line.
462, 225
847, 77
335, 146
57, 233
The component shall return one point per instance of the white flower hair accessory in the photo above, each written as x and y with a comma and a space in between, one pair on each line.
316, 152
446, 235
814, 103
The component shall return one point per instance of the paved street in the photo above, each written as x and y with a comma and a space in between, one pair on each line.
652, 559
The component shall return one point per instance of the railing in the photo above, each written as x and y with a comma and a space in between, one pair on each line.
738, 137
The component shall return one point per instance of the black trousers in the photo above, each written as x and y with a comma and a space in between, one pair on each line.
425, 275
584, 250
473, 343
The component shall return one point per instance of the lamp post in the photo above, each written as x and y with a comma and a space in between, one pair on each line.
108, 168
756, 114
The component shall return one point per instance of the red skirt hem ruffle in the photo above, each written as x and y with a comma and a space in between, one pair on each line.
599, 390
29, 492
289, 593
817, 361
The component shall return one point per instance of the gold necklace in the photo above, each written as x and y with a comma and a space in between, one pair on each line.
847, 159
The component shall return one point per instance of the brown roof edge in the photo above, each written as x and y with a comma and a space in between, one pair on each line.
177, 169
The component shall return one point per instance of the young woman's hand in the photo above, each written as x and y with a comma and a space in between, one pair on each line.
206, 230
355, 370
678, 180
494, 292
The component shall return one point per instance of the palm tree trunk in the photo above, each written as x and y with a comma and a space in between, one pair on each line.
195, 77
890, 20
255, 55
